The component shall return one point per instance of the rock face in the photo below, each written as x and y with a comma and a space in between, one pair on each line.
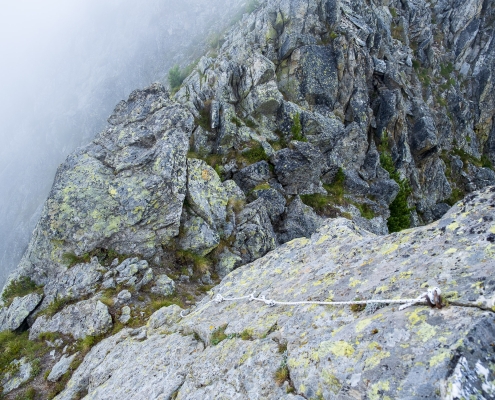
124, 191
86, 318
380, 112
372, 352
12, 317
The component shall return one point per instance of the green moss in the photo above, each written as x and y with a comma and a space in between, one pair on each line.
204, 118
250, 124
19, 288
104, 256
56, 305
416, 64
70, 259
247, 334
201, 264
485, 162
218, 335
393, 12
296, 129
325, 204
281, 374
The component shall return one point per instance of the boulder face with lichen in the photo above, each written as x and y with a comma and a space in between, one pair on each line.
249, 350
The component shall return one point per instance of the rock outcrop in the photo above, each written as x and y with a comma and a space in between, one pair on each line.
381, 113
234, 349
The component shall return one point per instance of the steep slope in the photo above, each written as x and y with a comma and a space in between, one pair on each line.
305, 110
326, 351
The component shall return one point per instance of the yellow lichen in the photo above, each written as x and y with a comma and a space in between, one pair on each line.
439, 357
426, 332
375, 393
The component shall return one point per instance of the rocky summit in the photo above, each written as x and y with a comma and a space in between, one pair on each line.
312, 154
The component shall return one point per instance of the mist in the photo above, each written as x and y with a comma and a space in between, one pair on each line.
65, 65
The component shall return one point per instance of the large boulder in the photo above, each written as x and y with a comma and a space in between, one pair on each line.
86, 318
299, 168
12, 317
124, 191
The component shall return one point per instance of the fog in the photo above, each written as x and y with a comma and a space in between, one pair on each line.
65, 65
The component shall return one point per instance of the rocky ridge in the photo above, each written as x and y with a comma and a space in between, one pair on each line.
305, 110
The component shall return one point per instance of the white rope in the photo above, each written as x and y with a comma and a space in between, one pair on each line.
423, 299
432, 297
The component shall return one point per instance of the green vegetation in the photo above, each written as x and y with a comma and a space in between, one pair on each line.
247, 334
296, 129
176, 76
416, 64
250, 124
255, 154
400, 213
14, 346
236, 121
218, 335
70, 259
204, 119
324, 205
393, 12
28, 394
446, 70
201, 264
19, 288
397, 32
104, 256
281, 374
56, 305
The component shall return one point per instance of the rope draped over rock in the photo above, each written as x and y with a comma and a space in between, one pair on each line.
431, 297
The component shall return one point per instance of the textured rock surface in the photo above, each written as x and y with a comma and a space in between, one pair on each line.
124, 191
12, 381
86, 318
61, 367
377, 352
12, 317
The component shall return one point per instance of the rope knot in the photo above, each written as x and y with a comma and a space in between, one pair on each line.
219, 298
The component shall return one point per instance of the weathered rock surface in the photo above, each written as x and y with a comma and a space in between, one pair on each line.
12, 317
377, 352
124, 191
61, 367
86, 318
12, 381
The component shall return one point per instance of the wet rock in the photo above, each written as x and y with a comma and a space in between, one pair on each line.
254, 235
450, 346
123, 191
300, 221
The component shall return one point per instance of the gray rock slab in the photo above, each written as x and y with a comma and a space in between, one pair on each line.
13, 316
61, 367
86, 318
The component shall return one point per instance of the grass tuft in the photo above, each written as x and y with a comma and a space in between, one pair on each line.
218, 335
19, 288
